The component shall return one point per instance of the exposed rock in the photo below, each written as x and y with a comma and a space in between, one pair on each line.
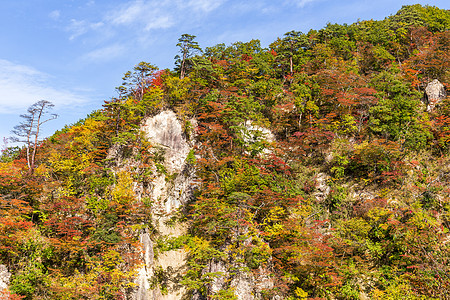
323, 189
166, 130
253, 134
243, 285
142, 291
4, 278
362, 195
173, 264
246, 285
169, 190
434, 93
218, 283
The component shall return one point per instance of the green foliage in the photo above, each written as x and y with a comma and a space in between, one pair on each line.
396, 116
9, 154
32, 269
190, 158
188, 48
201, 252
344, 101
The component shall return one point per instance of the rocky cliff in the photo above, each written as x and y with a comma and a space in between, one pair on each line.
172, 187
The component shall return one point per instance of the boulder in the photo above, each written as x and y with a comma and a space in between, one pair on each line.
434, 93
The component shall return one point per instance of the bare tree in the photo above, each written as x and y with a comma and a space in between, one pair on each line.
28, 130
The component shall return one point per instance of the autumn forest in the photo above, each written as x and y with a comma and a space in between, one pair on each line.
315, 168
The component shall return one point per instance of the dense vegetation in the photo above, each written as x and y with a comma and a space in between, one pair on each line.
351, 198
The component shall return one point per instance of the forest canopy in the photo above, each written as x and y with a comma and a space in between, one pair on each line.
320, 161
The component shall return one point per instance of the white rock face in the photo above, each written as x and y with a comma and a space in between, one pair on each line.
323, 189
165, 132
434, 93
246, 285
4, 278
143, 292
254, 133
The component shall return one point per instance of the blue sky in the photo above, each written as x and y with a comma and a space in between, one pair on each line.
74, 52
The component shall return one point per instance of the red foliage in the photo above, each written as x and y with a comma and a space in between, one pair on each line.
247, 57
441, 131
8, 295
157, 79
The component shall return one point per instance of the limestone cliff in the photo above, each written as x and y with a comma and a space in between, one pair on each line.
171, 187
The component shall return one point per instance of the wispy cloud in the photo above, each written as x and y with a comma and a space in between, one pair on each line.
23, 85
141, 15
105, 53
112, 32
54, 15
80, 27
205, 5
145, 15
131, 13
301, 3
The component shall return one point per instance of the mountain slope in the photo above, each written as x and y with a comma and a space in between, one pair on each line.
313, 169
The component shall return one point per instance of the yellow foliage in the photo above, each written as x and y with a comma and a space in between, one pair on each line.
200, 244
177, 89
399, 289
272, 222
105, 279
378, 213
301, 294
123, 191
42, 170
85, 134
346, 125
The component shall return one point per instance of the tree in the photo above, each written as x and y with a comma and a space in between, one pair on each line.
397, 115
136, 82
188, 47
289, 49
28, 130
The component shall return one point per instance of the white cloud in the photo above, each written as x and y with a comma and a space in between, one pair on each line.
205, 5
23, 85
301, 3
128, 13
54, 15
246, 8
145, 15
132, 22
78, 28
105, 53
159, 23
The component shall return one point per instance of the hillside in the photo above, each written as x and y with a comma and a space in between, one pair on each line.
316, 168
